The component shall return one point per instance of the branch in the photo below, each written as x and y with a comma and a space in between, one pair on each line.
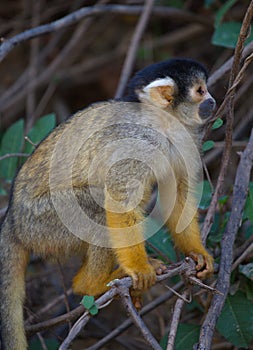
230, 119
129, 61
242, 257
10, 155
226, 67
239, 198
76, 16
126, 324
131, 310
175, 320
121, 288
187, 268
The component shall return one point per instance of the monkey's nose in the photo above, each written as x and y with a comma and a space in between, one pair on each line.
207, 107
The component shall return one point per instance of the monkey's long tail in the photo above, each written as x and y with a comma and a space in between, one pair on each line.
13, 261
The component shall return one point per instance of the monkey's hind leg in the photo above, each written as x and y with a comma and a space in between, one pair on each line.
13, 262
98, 269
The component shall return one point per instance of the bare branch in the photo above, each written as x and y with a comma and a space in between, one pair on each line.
10, 155
129, 61
242, 256
223, 282
126, 324
175, 320
131, 310
76, 16
186, 267
226, 67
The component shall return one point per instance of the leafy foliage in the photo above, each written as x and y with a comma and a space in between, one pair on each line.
89, 303
208, 145
217, 124
162, 241
226, 33
12, 142
187, 336
51, 344
236, 320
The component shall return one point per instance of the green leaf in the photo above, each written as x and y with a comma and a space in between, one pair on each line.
161, 241
187, 336
40, 130
209, 144
223, 199
88, 301
236, 320
222, 11
93, 310
248, 210
247, 270
206, 195
51, 344
2, 192
227, 33
12, 142
217, 124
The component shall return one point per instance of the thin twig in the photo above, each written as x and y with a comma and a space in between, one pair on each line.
44, 100
131, 310
10, 155
186, 267
133, 47
48, 307
66, 301
175, 320
126, 324
33, 68
76, 16
80, 323
226, 67
239, 251
47, 74
42, 341
242, 256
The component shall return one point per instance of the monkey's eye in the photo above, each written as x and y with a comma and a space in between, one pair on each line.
200, 91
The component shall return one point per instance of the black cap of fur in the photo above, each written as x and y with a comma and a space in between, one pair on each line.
183, 71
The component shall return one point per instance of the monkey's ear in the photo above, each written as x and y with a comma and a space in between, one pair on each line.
159, 92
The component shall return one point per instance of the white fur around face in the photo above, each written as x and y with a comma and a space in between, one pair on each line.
159, 82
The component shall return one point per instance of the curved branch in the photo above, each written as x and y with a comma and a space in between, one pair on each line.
186, 267
76, 16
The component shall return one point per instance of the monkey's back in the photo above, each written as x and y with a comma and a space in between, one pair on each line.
114, 146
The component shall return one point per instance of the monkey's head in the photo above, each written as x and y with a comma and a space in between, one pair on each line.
176, 85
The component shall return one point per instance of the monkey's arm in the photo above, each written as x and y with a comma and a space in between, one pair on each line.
126, 234
184, 227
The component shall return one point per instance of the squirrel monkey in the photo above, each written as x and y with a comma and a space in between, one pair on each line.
85, 188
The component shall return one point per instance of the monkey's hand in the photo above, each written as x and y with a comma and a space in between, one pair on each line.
158, 265
204, 264
145, 279
143, 276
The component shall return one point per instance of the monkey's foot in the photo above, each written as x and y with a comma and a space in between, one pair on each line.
158, 265
137, 299
204, 264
